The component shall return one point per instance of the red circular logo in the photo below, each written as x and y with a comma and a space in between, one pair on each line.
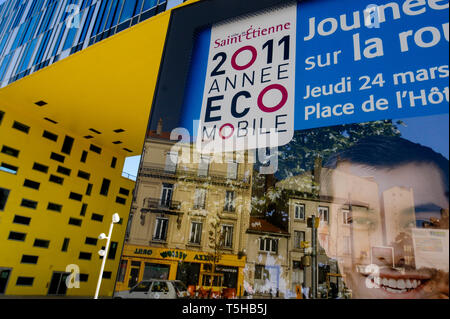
283, 101
243, 67
229, 135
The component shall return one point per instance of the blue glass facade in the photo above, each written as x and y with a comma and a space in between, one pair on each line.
37, 33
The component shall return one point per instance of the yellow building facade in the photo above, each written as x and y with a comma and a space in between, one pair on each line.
59, 192
180, 193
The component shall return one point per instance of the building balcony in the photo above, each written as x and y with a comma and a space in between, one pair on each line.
156, 204
194, 175
229, 209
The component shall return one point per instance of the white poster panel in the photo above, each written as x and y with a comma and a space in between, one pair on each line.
248, 99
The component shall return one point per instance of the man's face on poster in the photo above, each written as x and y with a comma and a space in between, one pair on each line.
390, 234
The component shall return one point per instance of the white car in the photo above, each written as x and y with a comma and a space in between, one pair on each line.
155, 289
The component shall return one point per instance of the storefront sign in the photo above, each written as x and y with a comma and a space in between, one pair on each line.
140, 251
173, 254
228, 261
226, 269
300, 67
205, 258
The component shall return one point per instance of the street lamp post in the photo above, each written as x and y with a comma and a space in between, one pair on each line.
102, 252
313, 223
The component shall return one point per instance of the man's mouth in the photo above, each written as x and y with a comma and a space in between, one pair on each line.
398, 286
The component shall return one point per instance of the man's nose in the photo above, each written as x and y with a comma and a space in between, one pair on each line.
383, 261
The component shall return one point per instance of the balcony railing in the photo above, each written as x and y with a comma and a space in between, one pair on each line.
160, 205
181, 172
229, 209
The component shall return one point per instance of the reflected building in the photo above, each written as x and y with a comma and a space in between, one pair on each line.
312, 194
398, 207
362, 225
357, 215
267, 269
180, 195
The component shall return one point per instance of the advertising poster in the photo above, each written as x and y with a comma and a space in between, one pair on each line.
351, 63
344, 111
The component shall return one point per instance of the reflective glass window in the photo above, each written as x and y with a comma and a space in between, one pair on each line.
128, 10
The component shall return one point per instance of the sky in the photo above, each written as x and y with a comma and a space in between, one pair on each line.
173, 3
131, 166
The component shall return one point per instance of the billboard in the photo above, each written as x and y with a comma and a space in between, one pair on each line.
346, 103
